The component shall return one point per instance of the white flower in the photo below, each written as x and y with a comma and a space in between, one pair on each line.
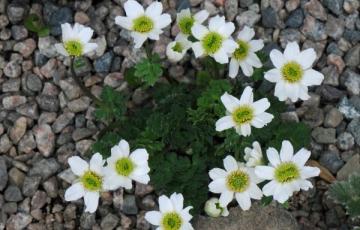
214, 41
122, 168
244, 56
286, 172
253, 157
90, 181
244, 113
176, 50
75, 41
213, 208
143, 24
186, 21
172, 214
293, 73
237, 181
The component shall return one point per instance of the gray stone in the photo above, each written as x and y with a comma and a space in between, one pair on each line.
10, 207
354, 129
331, 75
45, 168
3, 174
129, 206
51, 187
352, 57
82, 66
314, 117
316, 9
350, 6
33, 82
27, 143
62, 121
47, 50
331, 160
313, 29
67, 175
103, 64
345, 141
295, 19
16, 177
13, 194
257, 218
19, 32
352, 36
330, 94
109, 222
18, 221
59, 16
352, 81
48, 103
38, 200
11, 85
246, 3
333, 118
324, 135
231, 9
12, 69
30, 185
5, 143
87, 220
26, 48
248, 18
16, 12
29, 110
79, 105
70, 212
332, 219
334, 27
333, 48
335, 6
351, 166
269, 17
45, 139
82, 133
349, 108
70, 88
18, 130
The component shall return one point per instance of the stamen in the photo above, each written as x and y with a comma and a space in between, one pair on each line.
212, 42
242, 115
124, 166
143, 24
286, 172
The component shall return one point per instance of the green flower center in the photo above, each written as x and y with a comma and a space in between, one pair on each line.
171, 221
287, 172
143, 24
238, 181
212, 42
242, 51
243, 114
124, 166
185, 25
74, 48
292, 72
91, 181
178, 47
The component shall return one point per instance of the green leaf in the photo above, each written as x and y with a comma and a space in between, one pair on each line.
149, 70
130, 77
266, 200
104, 145
33, 23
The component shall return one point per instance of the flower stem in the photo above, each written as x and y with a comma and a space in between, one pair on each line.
81, 85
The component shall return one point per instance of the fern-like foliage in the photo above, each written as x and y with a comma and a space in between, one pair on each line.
347, 193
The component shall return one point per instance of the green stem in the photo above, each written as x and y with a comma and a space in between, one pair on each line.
81, 85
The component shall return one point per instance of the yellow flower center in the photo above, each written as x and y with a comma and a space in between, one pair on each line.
243, 114
292, 72
143, 24
124, 166
185, 25
287, 172
178, 47
212, 42
171, 221
74, 47
238, 181
91, 181
242, 51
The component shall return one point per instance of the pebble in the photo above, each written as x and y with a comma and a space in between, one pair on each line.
109, 222
331, 161
248, 18
84, 68
3, 174
334, 27
62, 121
27, 143
19, 32
352, 82
231, 9
26, 48
58, 17
295, 19
45, 168
345, 141
349, 108
315, 8
354, 129
67, 175
330, 94
48, 103
313, 29
18, 130
16, 12
5, 143
129, 206
350, 6
352, 57
70, 88
70, 212
352, 36
38, 200
16, 177
333, 118
51, 187
10, 207
331, 75
292, 5
11, 85
49, 69
314, 117
30, 185
47, 48
12, 69
87, 220
82, 133
324, 135
11, 102
114, 79
18, 221
33, 82
351, 166
79, 105
335, 6
45, 139
269, 18
13, 194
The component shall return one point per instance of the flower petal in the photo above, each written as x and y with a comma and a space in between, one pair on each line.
243, 200
265, 172
143, 179
217, 173
225, 198
273, 156
154, 9
229, 46
218, 186
233, 68
178, 201
247, 69
255, 192
91, 200
277, 58
124, 22
153, 217
198, 49
256, 45
312, 77
139, 39
230, 102
74, 192
140, 157
199, 31
201, 16
88, 47
221, 56
261, 120
216, 22
307, 172
269, 188
224, 123
247, 97
287, 151
133, 9
292, 51
230, 163
245, 130
97, 163
227, 29
78, 166
165, 204
61, 49
261, 105
246, 34
163, 21
306, 58
273, 75
253, 60
301, 157
85, 34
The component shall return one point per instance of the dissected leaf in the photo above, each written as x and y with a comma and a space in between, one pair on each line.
149, 70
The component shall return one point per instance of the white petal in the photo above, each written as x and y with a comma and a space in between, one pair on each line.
163, 21
66, 31
178, 201
61, 49
282, 193
133, 9
124, 22
277, 58
88, 47
201, 16
183, 13
124, 182
261, 105
229, 46
243, 200
273, 156
292, 51
155, 34
221, 56
216, 22
139, 39
186, 226
124, 147
143, 179
280, 91
233, 68
74, 192
307, 172
224, 123
185, 213
165, 204
303, 93
230, 102
91, 200
217, 173
269, 188
113, 181
153, 217
227, 29
86, 34
96, 163
265, 172
261, 120
253, 60
225, 198
218, 186
273, 75
256, 45
78, 166
117, 152
230, 163
140, 156
292, 91
246, 69
246, 34
198, 49
245, 130
199, 31
247, 96
306, 58
287, 151
305, 184
301, 157
255, 192
154, 9
312, 77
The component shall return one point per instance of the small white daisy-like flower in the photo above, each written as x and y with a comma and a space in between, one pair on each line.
186, 21
253, 156
172, 214
286, 171
90, 181
244, 56
176, 50
214, 41
237, 181
143, 24
123, 167
75, 40
214, 209
244, 113
293, 73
